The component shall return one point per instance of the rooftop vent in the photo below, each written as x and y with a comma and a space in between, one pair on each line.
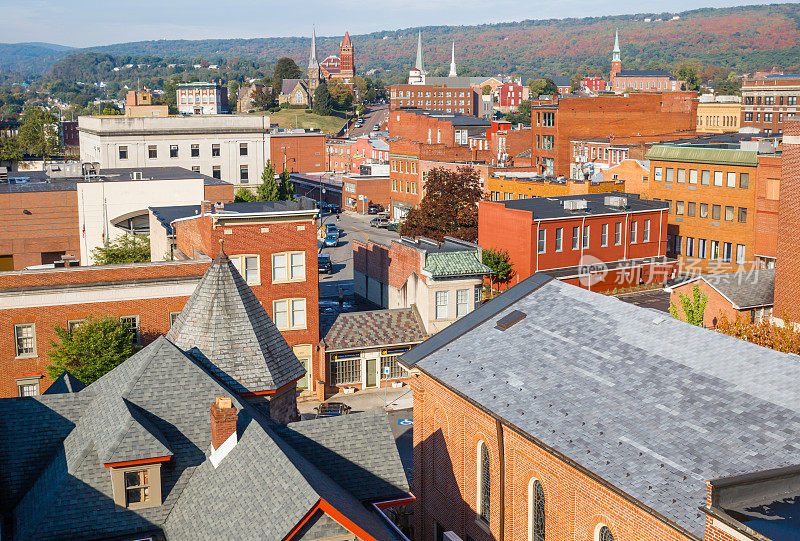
616, 201
510, 319
575, 204
136, 175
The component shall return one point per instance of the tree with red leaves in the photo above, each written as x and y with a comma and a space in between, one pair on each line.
449, 206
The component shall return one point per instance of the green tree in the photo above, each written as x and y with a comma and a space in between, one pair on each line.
268, 189
449, 207
286, 187
91, 349
285, 68
694, 307
523, 114
340, 95
10, 149
322, 100
124, 249
243, 195
500, 263
543, 87
687, 73
486, 90
38, 135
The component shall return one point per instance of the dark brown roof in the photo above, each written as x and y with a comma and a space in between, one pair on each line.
356, 330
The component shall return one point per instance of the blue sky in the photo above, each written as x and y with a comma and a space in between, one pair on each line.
82, 23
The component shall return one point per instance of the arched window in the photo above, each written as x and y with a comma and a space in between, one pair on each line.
604, 533
484, 482
535, 511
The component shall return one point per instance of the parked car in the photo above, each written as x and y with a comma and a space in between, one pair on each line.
334, 208
376, 127
331, 240
331, 228
393, 227
375, 208
380, 221
324, 264
332, 409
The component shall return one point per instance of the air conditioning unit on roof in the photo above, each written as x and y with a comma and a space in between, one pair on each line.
575, 204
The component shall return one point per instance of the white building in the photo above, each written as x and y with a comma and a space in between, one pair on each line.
202, 98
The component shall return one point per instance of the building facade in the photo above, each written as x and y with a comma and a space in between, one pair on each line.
640, 80
462, 100
787, 267
719, 116
768, 102
202, 98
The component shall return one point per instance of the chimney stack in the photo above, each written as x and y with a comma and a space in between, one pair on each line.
206, 207
223, 421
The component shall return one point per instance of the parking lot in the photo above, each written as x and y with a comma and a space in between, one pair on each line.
351, 226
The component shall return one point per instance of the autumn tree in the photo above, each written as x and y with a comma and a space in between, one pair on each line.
449, 206
694, 307
765, 333
486, 90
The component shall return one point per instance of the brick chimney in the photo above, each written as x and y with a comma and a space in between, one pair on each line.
206, 207
223, 421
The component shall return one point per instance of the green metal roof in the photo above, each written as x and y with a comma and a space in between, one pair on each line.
692, 154
454, 264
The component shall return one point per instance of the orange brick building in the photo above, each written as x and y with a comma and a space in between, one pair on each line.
629, 118
787, 269
505, 185
769, 101
434, 98
433, 127
543, 415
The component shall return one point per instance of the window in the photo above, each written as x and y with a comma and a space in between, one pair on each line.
715, 212
748, 117
123, 152
575, 238
726, 252
742, 215
243, 176
586, 236
542, 241
669, 205
248, 268
679, 208
678, 245
346, 369
242, 149
728, 214
634, 232
137, 487
152, 152
731, 180
740, 255
28, 386
559, 238
791, 100
692, 176
689, 246
25, 336
604, 534
536, 508
215, 150
194, 151
704, 210
396, 370
646, 232
657, 174
290, 313
195, 169
484, 482
705, 178
74, 324
462, 302
669, 174
132, 322
717, 178
173, 151
691, 208
713, 250
604, 235
744, 180
216, 172
442, 301
288, 266
701, 248
681, 175
173, 317
617, 233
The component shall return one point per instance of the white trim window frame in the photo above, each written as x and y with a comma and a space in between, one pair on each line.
249, 267
25, 340
290, 314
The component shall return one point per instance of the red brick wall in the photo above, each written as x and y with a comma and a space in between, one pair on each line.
716, 306
300, 153
392, 265
632, 119
447, 430
787, 269
420, 98
414, 127
51, 226
768, 178
219, 193
375, 190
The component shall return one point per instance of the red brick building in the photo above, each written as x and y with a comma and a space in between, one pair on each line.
624, 236
297, 153
787, 268
593, 84
510, 96
360, 191
545, 414
436, 128
434, 98
769, 101
631, 118
348, 155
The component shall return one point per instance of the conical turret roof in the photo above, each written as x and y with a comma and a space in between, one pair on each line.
224, 326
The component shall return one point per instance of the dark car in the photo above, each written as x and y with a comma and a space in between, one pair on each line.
334, 208
324, 264
380, 221
375, 209
332, 409
393, 227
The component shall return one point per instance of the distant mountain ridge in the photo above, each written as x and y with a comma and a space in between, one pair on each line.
743, 38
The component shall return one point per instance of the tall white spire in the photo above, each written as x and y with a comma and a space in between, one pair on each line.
419, 64
453, 62
615, 57
312, 57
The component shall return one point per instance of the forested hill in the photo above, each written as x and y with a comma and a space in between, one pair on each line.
740, 38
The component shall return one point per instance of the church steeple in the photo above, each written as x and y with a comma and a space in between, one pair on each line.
616, 63
453, 72
615, 57
418, 63
312, 57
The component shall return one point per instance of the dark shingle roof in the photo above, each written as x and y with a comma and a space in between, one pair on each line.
287, 85
374, 328
544, 208
652, 405
644, 73
747, 289
225, 327
66, 383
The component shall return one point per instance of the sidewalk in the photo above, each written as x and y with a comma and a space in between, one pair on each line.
368, 399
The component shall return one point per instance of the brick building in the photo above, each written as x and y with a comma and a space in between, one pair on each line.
593, 84
202, 98
718, 114
505, 185
787, 268
434, 98
769, 101
140, 103
624, 119
511, 95
640, 80
431, 127
359, 192
348, 155
566, 236
553, 412
711, 195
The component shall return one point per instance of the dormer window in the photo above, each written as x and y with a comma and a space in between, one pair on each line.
137, 486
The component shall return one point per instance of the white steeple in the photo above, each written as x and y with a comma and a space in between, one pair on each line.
453, 62
615, 57
418, 63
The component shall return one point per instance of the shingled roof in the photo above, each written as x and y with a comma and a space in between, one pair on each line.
651, 405
744, 289
374, 328
445, 264
225, 327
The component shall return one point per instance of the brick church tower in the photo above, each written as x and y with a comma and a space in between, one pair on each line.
787, 266
347, 69
616, 63
314, 74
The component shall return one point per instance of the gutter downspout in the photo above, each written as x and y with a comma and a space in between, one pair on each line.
538, 223
626, 237
502, 457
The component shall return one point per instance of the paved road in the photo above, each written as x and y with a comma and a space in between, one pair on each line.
351, 226
375, 114
658, 299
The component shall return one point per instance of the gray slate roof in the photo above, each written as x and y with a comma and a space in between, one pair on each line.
225, 327
66, 383
652, 405
358, 330
287, 85
745, 289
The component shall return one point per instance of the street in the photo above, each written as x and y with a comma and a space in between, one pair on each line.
351, 226
376, 114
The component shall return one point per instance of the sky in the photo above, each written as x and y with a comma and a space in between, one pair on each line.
84, 23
